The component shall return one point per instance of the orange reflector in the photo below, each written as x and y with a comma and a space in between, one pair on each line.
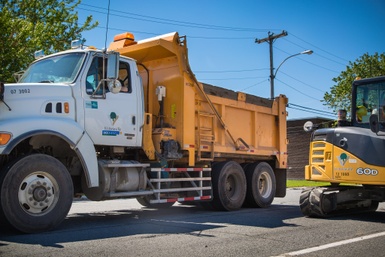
125, 35
66, 107
4, 138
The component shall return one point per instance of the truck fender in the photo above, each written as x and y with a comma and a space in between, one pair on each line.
69, 131
86, 151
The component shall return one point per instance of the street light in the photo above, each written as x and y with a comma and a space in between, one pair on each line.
272, 73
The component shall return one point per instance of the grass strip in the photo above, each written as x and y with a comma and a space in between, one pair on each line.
305, 183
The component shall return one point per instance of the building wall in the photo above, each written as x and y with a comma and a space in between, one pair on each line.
298, 148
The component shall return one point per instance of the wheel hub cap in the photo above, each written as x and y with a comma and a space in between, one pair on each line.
39, 194
36, 193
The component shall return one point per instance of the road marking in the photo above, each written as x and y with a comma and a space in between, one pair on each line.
323, 247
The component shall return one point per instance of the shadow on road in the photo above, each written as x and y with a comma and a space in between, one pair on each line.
181, 219
147, 222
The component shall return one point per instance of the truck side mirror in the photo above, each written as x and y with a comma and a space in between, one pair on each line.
113, 65
374, 124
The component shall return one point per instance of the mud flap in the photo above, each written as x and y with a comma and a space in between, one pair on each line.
280, 177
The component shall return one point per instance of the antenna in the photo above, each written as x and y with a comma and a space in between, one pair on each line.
108, 19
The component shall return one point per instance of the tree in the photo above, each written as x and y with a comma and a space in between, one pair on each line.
366, 66
30, 25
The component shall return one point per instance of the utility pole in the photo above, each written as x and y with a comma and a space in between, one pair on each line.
270, 39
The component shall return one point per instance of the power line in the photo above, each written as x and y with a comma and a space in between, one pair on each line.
302, 82
239, 78
316, 53
153, 19
189, 36
297, 90
320, 49
125, 30
230, 71
309, 110
222, 38
319, 66
243, 90
170, 21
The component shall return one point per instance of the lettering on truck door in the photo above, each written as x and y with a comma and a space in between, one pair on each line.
113, 120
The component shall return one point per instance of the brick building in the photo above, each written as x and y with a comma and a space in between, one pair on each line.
298, 148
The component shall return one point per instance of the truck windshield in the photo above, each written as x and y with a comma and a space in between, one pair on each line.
370, 99
56, 69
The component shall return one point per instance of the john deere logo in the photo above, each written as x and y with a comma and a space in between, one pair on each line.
343, 158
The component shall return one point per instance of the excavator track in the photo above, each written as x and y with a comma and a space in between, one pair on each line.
323, 202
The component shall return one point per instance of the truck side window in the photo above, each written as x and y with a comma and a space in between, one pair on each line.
94, 76
125, 77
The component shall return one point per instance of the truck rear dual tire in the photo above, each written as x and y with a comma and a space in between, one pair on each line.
36, 193
229, 186
261, 185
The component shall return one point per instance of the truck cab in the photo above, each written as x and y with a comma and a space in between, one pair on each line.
110, 117
99, 104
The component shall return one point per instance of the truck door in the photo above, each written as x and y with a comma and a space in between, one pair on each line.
117, 119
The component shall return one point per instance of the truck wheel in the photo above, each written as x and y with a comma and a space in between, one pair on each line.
36, 193
261, 185
229, 186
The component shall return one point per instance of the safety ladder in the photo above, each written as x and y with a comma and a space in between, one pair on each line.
162, 180
205, 136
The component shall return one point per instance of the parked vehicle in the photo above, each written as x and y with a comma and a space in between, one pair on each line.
133, 122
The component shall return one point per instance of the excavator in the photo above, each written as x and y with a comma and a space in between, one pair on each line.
350, 156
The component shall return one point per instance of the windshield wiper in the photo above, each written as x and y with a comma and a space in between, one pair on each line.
46, 81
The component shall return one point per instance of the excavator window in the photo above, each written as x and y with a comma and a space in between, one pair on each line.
369, 99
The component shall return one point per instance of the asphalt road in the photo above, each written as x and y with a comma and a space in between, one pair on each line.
124, 228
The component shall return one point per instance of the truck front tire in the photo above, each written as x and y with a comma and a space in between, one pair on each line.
36, 193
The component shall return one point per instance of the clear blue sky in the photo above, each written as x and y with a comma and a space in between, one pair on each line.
221, 40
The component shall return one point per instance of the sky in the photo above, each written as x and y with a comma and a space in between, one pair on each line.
221, 40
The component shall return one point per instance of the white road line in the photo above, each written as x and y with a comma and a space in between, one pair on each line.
323, 247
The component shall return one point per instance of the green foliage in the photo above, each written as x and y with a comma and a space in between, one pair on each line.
366, 66
30, 25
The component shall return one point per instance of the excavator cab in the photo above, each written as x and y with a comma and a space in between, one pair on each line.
369, 99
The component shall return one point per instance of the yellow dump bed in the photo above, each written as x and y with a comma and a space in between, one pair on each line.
209, 123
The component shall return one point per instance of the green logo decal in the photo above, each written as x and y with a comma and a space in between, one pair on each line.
343, 158
114, 117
